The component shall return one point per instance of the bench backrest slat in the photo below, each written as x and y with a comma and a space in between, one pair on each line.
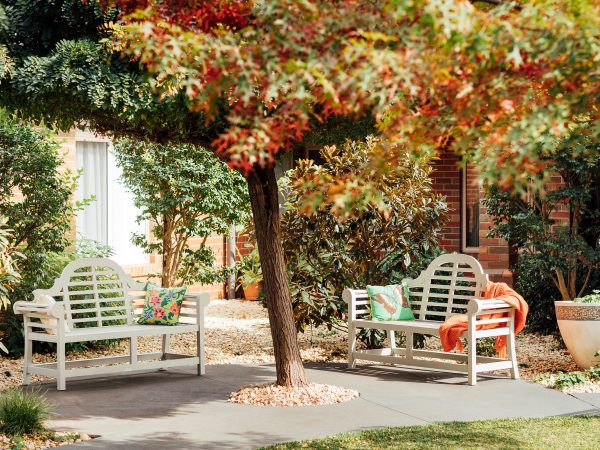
442, 290
95, 292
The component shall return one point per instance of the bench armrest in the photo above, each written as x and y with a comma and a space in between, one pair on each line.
479, 306
55, 310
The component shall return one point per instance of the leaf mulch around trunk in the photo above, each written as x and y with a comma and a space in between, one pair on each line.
275, 395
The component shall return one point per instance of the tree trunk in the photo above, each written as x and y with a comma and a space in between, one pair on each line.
167, 252
262, 187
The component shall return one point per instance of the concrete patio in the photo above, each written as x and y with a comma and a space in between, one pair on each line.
177, 410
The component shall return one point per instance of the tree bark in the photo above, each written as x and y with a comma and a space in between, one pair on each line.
262, 187
167, 252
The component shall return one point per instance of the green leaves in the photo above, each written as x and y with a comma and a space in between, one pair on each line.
379, 243
188, 194
9, 275
558, 231
35, 202
594, 297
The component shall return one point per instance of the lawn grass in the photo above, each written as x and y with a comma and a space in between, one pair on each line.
581, 432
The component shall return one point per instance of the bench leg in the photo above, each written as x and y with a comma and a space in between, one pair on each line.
165, 345
511, 350
472, 352
61, 379
200, 351
351, 346
392, 338
133, 352
409, 345
28, 361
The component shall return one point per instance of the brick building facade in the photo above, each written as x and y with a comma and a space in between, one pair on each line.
468, 224
465, 232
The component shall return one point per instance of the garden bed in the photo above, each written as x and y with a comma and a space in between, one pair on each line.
41, 441
237, 332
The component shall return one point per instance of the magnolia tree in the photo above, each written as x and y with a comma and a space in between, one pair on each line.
249, 80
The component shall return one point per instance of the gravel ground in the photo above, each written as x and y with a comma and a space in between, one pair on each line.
273, 395
237, 332
41, 441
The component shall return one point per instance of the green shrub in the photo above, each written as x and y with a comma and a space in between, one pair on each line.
40, 216
326, 253
9, 274
568, 379
594, 297
486, 347
593, 373
557, 259
539, 294
22, 412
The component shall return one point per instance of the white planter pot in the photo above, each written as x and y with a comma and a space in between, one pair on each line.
579, 325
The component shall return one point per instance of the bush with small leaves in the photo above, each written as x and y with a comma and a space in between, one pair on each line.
568, 379
594, 297
22, 412
593, 373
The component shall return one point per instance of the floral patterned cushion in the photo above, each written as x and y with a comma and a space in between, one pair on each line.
390, 302
162, 305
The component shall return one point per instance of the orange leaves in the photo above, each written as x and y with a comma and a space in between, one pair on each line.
199, 15
497, 83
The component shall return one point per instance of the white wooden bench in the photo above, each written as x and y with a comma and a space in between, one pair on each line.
95, 300
451, 284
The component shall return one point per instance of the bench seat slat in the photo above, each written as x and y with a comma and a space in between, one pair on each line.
425, 326
96, 319
85, 301
125, 331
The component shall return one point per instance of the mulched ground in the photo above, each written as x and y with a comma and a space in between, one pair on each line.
273, 395
41, 441
237, 332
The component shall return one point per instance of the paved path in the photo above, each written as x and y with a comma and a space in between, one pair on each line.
177, 410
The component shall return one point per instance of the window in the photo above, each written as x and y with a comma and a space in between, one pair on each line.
111, 218
470, 190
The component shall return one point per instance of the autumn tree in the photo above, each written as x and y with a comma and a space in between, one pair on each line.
250, 80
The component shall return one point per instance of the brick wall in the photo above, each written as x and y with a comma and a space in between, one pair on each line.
493, 254
446, 181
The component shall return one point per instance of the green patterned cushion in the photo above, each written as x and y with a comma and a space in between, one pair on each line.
390, 302
162, 305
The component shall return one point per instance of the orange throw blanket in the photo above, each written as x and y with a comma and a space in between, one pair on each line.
454, 326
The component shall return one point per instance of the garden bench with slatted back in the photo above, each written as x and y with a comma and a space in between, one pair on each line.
94, 299
451, 284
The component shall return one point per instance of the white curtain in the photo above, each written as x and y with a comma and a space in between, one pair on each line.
111, 218
122, 215
92, 160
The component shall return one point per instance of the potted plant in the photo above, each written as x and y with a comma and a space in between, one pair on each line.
250, 274
579, 323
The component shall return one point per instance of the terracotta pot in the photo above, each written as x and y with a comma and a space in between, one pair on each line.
579, 325
251, 291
